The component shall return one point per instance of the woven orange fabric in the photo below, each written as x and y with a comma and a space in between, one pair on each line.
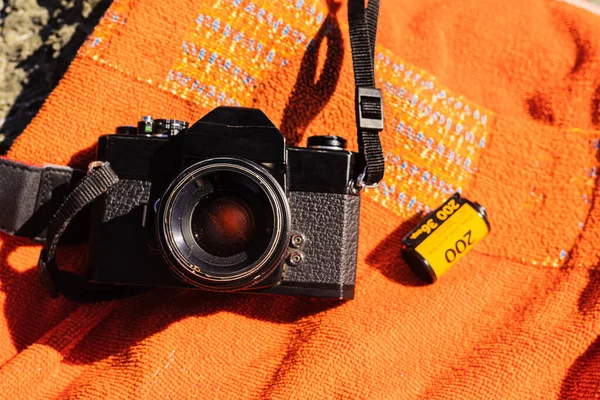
498, 98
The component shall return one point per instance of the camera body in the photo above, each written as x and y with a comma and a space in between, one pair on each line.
301, 207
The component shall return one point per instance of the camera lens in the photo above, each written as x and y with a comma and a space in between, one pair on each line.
223, 224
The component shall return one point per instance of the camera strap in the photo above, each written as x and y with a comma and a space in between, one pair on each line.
41, 202
99, 179
30, 195
368, 100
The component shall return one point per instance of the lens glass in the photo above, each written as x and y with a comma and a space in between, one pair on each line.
223, 225
232, 219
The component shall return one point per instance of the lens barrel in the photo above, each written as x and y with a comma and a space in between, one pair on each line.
223, 224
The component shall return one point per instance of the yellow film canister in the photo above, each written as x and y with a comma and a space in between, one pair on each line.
444, 237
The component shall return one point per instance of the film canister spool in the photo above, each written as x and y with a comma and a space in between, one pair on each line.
444, 237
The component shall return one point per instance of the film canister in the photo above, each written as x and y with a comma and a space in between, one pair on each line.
444, 237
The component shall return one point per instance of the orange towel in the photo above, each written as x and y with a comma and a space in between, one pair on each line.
498, 98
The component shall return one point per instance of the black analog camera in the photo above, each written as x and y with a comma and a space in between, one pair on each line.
224, 205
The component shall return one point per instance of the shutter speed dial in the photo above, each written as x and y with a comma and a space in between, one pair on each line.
154, 127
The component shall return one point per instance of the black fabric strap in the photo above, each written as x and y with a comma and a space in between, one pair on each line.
30, 195
71, 285
368, 100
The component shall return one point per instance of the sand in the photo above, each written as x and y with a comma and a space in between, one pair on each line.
38, 40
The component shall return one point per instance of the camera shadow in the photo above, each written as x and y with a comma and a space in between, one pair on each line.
386, 256
310, 95
31, 314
